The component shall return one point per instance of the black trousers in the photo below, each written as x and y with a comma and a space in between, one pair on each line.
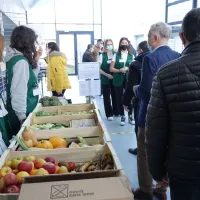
119, 91
109, 91
136, 105
55, 94
184, 190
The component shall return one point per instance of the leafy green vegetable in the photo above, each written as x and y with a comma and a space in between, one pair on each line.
50, 101
43, 113
48, 126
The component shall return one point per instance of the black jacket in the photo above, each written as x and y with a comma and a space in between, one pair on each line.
173, 118
87, 57
134, 77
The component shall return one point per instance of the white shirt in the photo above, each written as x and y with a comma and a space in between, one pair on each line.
123, 57
110, 57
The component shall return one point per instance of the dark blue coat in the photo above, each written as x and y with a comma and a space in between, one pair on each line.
150, 66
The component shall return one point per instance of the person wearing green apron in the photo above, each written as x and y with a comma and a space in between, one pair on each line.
21, 78
120, 67
106, 81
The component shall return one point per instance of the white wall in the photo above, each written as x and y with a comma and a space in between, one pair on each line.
132, 17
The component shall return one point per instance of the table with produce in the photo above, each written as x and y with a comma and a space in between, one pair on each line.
57, 140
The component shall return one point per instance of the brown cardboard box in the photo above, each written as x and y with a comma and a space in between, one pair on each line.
95, 186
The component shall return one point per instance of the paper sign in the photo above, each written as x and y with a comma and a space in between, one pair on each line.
3, 66
89, 70
89, 88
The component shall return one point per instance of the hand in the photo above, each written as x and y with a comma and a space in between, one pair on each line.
126, 108
126, 68
39, 53
122, 70
163, 183
110, 76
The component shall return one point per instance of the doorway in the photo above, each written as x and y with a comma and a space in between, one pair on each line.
73, 44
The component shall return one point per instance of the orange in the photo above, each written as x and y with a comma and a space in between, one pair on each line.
57, 168
44, 144
57, 142
33, 172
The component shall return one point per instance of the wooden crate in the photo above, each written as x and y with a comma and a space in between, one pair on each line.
92, 135
69, 108
77, 155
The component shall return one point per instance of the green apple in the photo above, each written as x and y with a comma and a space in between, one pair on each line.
29, 158
15, 162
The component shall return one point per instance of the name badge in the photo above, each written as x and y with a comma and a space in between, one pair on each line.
121, 60
36, 92
109, 61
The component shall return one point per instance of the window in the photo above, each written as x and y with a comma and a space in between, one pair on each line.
178, 11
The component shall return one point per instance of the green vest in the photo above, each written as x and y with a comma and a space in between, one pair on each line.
32, 100
105, 66
118, 76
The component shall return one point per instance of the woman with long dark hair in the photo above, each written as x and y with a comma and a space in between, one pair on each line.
22, 70
120, 67
57, 75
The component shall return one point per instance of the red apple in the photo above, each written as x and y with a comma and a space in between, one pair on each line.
10, 179
2, 185
12, 189
50, 167
39, 163
19, 186
72, 166
42, 172
5, 170
25, 166
50, 159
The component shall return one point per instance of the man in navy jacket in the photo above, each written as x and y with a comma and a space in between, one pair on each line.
158, 38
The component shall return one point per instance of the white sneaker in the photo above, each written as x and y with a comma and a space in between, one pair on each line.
110, 118
131, 120
123, 120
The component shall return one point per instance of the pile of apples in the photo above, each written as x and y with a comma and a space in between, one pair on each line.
13, 172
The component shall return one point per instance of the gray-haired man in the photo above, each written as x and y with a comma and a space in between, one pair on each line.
158, 38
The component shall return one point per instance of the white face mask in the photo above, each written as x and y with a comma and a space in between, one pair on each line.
4, 54
100, 46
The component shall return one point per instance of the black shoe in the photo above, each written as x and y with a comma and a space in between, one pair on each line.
133, 151
123, 120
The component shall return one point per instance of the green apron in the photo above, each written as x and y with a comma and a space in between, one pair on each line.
13, 124
3, 131
105, 66
118, 77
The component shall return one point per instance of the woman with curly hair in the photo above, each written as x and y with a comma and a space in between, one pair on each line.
22, 70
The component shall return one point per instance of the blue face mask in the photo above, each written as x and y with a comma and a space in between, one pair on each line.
109, 47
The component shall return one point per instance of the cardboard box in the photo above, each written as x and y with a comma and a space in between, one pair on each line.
95, 186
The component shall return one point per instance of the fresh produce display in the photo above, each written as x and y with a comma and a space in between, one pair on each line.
43, 113
13, 172
48, 126
29, 142
50, 101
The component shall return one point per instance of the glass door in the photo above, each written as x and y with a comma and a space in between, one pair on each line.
66, 43
74, 44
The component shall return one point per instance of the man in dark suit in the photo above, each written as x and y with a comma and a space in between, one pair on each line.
158, 38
